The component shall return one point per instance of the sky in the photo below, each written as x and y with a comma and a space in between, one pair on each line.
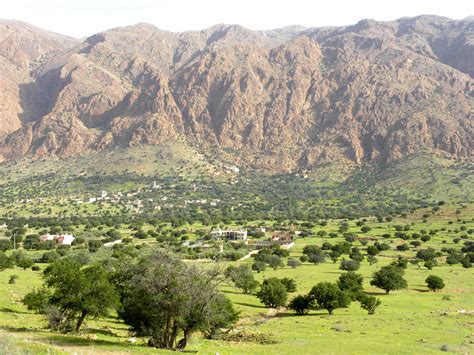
80, 18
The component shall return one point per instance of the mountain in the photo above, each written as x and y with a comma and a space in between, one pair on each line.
279, 100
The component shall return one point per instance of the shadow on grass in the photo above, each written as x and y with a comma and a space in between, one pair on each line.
420, 290
376, 293
68, 339
249, 305
20, 329
9, 310
296, 316
100, 331
235, 292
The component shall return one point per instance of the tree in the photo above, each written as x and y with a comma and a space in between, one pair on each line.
317, 258
24, 261
465, 262
293, 263
389, 278
273, 293
242, 277
329, 296
165, 299
369, 303
429, 264
434, 283
5, 245
372, 259
372, 250
259, 266
79, 292
223, 316
349, 265
351, 283
37, 300
6, 262
290, 284
300, 304
275, 261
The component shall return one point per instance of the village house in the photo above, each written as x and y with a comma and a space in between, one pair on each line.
64, 239
230, 234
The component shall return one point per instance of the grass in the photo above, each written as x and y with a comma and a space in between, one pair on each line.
410, 321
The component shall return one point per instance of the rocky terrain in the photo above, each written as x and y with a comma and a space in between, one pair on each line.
279, 100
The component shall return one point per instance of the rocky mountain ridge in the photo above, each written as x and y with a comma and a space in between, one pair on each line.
278, 100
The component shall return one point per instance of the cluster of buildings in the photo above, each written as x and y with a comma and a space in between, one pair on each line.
284, 240
60, 239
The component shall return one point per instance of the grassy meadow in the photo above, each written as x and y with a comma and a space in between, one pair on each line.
410, 321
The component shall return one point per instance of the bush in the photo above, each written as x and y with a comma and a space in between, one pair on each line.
12, 279
369, 303
304, 258
37, 300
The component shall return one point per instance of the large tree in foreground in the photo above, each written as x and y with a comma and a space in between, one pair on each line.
389, 278
78, 292
167, 300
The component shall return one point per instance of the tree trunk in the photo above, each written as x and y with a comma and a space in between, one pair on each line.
174, 334
387, 292
81, 320
330, 311
183, 342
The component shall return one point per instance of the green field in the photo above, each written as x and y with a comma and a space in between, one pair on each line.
411, 321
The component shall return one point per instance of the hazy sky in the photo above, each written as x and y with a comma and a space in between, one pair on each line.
80, 18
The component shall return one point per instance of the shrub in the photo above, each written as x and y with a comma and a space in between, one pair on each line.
12, 279
369, 303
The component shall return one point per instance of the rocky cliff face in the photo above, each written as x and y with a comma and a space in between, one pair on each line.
282, 99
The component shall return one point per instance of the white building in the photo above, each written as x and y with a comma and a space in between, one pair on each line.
234, 235
110, 244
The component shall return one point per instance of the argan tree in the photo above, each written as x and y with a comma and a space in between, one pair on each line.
329, 296
389, 278
434, 283
167, 300
79, 292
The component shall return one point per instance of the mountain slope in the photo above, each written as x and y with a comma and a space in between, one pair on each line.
278, 100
